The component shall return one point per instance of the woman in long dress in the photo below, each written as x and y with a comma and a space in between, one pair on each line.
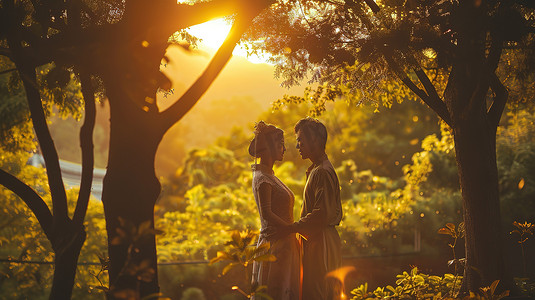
275, 205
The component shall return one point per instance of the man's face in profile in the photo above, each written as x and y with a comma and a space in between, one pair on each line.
305, 144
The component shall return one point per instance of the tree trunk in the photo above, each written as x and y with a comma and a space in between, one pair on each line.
130, 186
475, 149
129, 194
129, 200
476, 161
65, 264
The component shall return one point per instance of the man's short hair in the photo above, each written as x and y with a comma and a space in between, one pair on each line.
313, 127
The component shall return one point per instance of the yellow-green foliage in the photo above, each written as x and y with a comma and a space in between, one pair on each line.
209, 217
416, 285
22, 238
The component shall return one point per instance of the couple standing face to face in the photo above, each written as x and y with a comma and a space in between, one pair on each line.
269, 144
302, 265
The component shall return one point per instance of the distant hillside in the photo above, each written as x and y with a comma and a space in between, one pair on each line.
242, 91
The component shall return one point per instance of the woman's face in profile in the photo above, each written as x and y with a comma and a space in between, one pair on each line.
279, 149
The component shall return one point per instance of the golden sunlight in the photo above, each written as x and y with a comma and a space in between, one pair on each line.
213, 34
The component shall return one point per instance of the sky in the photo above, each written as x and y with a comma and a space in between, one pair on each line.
213, 34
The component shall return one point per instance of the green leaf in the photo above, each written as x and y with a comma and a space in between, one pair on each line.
503, 295
259, 288
236, 239
265, 257
102, 288
229, 267
264, 247
221, 256
493, 286
445, 231
434, 279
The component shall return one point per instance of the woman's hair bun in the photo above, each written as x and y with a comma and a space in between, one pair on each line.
261, 142
260, 126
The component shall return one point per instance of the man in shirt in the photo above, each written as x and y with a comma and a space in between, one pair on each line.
320, 213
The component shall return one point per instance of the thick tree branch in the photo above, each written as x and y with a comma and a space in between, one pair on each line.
36, 204
86, 131
424, 79
433, 101
495, 54
374, 7
50, 155
497, 37
7, 71
488, 68
48, 149
419, 92
422, 76
176, 111
430, 96
86, 143
479, 96
495, 111
403, 76
32, 55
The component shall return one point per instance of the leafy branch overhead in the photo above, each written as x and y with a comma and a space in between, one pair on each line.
362, 44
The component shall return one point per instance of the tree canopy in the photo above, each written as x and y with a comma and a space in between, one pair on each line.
456, 56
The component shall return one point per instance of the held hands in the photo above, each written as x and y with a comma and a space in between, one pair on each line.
278, 232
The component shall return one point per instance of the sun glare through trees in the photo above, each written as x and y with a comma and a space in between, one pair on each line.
213, 33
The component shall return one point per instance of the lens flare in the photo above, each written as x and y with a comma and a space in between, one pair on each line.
340, 274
